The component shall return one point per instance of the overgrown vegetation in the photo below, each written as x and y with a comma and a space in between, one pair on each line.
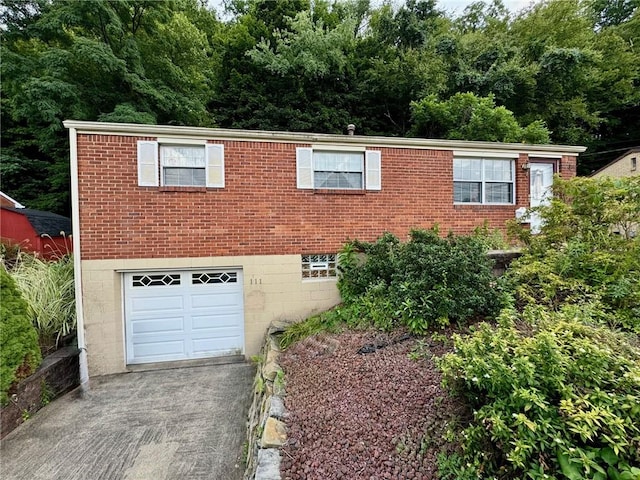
555, 384
552, 392
19, 352
48, 289
588, 252
426, 281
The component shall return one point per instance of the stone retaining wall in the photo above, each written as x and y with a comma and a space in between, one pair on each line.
58, 374
266, 431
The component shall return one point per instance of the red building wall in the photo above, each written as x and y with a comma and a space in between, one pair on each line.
16, 229
260, 211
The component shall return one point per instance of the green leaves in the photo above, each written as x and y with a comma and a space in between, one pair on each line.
424, 282
19, 354
555, 385
578, 260
554, 389
307, 49
467, 117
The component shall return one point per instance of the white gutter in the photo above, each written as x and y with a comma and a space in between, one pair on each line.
77, 267
133, 129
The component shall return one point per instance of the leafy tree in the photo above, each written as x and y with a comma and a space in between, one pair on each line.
128, 61
467, 117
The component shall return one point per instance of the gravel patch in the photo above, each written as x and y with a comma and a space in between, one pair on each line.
380, 415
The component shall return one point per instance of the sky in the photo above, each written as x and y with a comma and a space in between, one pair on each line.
455, 6
459, 5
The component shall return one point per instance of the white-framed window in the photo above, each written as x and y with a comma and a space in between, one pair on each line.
483, 180
322, 265
344, 170
183, 165
189, 164
319, 168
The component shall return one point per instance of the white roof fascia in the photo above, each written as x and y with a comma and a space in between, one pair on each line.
178, 132
16, 204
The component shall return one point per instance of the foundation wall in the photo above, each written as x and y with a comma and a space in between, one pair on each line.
273, 291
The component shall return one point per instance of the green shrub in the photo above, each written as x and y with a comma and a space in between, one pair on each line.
48, 288
426, 280
19, 351
363, 264
553, 394
577, 258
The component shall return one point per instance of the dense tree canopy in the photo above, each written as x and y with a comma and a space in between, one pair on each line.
565, 71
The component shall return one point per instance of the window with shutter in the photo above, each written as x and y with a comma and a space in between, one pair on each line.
183, 165
338, 170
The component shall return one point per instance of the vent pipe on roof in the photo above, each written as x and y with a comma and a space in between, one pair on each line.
351, 129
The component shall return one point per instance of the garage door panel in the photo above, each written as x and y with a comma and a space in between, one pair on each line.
158, 325
181, 315
222, 331
201, 346
155, 349
213, 321
157, 303
216, 300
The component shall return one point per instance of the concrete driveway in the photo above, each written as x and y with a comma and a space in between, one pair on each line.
186, 423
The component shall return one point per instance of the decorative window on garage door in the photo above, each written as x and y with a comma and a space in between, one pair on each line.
156, 280
319, 265
213, 277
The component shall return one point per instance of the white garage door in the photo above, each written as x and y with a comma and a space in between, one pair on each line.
181, 315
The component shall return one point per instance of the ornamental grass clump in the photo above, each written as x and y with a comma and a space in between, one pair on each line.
48, 288
19, 352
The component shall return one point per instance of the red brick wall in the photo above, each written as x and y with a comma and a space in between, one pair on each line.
260, 211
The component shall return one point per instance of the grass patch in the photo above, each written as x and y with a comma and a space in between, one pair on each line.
329, 321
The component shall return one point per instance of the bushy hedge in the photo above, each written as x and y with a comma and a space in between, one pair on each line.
555, 386
553, 394
425, 281
19, 351
588, 251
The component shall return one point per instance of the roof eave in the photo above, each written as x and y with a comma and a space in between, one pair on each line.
132, 129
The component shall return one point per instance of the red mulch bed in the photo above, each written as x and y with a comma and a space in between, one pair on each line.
380, 415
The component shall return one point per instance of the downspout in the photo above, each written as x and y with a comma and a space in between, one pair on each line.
77, 268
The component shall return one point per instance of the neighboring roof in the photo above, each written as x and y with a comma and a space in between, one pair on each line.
176, 132
15, 203
45, 223
617, 159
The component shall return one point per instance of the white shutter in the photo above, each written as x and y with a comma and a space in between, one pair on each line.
304, 167
147, 164
215, 165
373, 170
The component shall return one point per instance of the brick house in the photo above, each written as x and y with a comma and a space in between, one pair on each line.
190, 241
